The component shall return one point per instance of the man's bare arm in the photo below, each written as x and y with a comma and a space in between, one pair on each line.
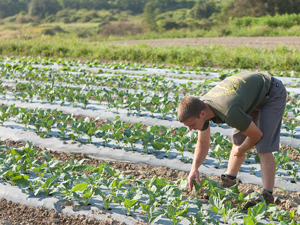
253, 134
201, 148
201, 151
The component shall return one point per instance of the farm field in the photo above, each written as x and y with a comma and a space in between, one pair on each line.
125, 114
255, 42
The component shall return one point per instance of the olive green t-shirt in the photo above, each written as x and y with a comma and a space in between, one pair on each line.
235, 97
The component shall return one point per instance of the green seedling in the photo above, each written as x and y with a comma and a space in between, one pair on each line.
198, 187
282, 159
104, 133
257, 212
83, 192
5, 113
153, 213
202, 218
130, 200
253, 170
294, 170
281, 215
222, 147
63, 128
146, 138
291, 125
108, 199
45, 185
223, 208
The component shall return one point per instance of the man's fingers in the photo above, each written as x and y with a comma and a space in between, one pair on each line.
191, 184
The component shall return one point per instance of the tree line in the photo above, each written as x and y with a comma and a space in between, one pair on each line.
201, 8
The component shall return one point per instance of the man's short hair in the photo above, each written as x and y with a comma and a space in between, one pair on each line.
189, 107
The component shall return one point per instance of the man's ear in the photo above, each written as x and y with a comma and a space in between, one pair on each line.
202, 113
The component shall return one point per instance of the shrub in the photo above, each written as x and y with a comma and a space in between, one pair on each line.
96, 20
84, 34
11, 28
167, 24
120, 29
22, 19
48, 31
10, 19
57, 29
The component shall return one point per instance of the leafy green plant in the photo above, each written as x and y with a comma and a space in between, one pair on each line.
281, 215
291, 125
256, 212
202, 217
294, 170
222, 147
282, 159
5, 112
45, 185
153, 213
222, 208
83, 192
130, 200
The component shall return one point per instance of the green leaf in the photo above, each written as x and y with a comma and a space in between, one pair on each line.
50, 180
91, 131
50, 122
38, 190
214, 201
22, 180
129, 203
214, 209
249, 221
157, 145
99, 192
183, 183
79, 187
259, 210
156, 215
46, 156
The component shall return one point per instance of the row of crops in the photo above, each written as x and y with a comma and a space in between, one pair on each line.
75, 181
141, 94
149, 94
125, 135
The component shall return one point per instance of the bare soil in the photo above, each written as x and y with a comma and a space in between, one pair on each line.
255, 42
14, 213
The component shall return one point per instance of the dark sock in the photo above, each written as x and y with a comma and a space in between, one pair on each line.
271, 192
231, 177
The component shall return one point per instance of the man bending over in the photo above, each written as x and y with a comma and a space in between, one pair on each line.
252, 103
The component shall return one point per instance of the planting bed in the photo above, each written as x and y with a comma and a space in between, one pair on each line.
125, 115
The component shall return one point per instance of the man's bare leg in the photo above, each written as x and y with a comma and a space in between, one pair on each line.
234, 163
268, 169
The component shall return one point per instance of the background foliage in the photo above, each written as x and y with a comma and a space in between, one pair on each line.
100, 20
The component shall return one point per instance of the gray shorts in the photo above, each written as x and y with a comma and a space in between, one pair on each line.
268, 117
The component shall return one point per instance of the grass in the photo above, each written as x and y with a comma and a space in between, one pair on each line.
279, 59
115, 30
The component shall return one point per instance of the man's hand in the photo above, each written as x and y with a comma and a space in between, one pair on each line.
194, 175
238, 153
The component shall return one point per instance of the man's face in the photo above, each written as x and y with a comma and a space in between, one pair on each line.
194, 123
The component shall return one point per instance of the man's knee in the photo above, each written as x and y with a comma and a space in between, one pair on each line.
266, 154
266, 157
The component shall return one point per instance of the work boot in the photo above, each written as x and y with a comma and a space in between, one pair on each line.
226, 182
268, 197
